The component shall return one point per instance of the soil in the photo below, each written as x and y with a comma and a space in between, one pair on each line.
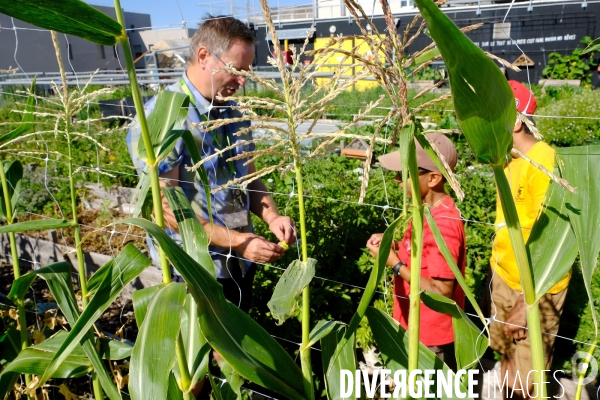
96, 228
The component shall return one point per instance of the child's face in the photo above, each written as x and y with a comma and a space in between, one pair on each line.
423, 183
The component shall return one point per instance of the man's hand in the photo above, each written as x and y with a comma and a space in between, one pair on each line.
373, 245
256, 248
517, 316
284, 229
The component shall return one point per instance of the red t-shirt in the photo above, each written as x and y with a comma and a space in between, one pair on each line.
436, 328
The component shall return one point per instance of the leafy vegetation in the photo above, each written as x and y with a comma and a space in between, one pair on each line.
577, 65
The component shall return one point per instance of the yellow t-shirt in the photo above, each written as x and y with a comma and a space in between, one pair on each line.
528, 186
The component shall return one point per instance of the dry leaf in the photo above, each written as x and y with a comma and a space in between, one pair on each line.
38, 337
64, 390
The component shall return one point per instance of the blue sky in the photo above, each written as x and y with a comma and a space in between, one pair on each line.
166, 12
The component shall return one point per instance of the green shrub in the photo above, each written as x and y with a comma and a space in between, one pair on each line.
564, 132
573, 66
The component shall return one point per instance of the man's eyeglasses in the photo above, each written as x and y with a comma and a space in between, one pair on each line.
398, 177
217, 57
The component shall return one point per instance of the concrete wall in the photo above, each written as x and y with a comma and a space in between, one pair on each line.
35, 52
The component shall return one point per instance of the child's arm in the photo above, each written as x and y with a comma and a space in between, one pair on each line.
435, 285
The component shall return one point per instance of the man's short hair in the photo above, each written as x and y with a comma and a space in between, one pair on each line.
218, 33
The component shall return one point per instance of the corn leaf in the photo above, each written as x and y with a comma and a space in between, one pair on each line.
153, 355
552, 245
143, 201
484, 103
345, 360
116, 274
244, 344
374, 279
594, 45
195, 242
14, 173
73, 17
164, 122
28, 117
58, 278
174, 392
322, 329
141, 299
469, 341
293, 280
10, 346
34, 361
37, 225
192, 148
581, 168
392, 340
195, 346
111, 349
425, 57
216, 389
231, 387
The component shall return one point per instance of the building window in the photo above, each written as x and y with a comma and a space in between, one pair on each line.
70, 51
102, 53
501, 31
137, 50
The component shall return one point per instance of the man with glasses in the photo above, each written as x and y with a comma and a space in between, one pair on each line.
233, 245
436, 276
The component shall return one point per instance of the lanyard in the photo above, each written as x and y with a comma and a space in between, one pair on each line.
203, 118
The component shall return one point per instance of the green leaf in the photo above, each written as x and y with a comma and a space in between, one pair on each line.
26, 121
143, 200
232, 384
174, 392
374, 279
37, 225
216, 389
581, 167
164, 121
293, 280
552, 246
322, 329
192, 147
14, 173
195, 241
425, 57
469, 342
244, 344
141, 299
441, 243
116, 275
195, 345
593, 46
153, 355
34, 361
73, 17
483, 100
345, 360
392, 341
111, 349
58, 278
10, 346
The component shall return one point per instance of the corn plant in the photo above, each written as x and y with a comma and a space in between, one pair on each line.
11, 173
485, 110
